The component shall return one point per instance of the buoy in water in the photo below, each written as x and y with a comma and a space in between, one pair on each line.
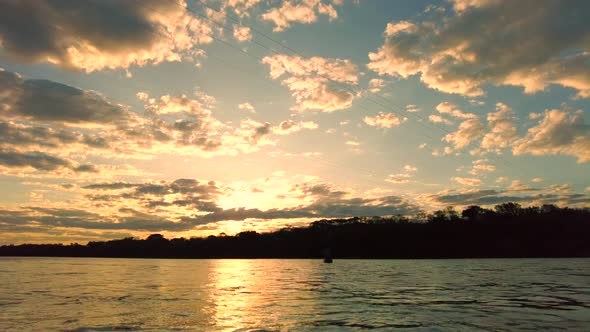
327, 255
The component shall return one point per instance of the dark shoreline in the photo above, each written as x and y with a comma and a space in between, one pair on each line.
303, 258
508, 231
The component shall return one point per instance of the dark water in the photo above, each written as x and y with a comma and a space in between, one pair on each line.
48, 294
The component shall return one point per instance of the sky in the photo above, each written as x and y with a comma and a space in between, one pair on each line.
194, 117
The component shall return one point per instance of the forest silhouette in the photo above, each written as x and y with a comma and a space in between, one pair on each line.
508, 230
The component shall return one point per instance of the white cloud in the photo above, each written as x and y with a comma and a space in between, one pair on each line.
410, 168
290, 126
469, 131
339, 70
315, 93
353, 143
198, 105
247, 107
467, 181
558, 132
403, 177
453, 110
528, 43
403, 26
384, 120
315, 82
481, 166
241, 7
397, 179
439, 119
501, 179
502, 129
376, 84
518, 185
303, 12
242, 33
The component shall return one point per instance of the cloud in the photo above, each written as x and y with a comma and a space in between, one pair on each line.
41, 161
531, 44
502, 129
467, 181
384, 120
410, 168
439, 119
251, 134
194, 124
198, 105
403, 177
315, 93
303, 12
501, 179
411, 108
247, 107
491, 197
376, 84
453, 110
469, 131
327, 202
185, 204
97, 35
397, 179
48, 101
34, 164
241, 7
15, 135
72, 124
518, 185
481, 166
338, 70
290, 126
255, 133
36, 160
353, 143
316, 82
242, 33
558, 132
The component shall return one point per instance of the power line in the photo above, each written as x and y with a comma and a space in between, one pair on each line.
343, 86
422, 121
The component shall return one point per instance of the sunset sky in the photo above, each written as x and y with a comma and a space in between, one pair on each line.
191, 118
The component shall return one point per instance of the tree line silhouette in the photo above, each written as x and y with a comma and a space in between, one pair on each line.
508, 230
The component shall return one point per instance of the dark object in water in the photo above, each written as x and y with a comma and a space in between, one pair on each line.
327, 255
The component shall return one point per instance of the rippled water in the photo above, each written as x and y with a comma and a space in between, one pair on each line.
294, 295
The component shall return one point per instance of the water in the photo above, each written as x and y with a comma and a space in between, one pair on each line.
73, 294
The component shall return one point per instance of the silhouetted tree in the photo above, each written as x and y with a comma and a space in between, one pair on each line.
508, 209
155, 237
473, 213
507, 231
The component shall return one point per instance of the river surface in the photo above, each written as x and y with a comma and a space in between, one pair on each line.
95, 294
